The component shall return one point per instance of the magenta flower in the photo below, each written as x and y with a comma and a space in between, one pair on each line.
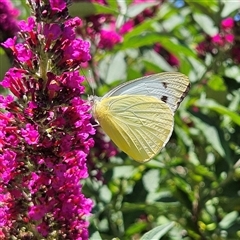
8, 20
172, 60
27, 26
217, 39
30, 134
230, 38
226, 39
58, 5
127, 27
45, 130
227, 23
22, 53
108, 39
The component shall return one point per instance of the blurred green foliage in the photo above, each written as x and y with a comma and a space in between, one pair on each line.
191, 190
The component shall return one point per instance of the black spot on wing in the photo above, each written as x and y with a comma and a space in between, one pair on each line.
164, 84
164, 98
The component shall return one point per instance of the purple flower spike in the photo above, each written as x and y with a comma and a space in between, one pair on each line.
45, 129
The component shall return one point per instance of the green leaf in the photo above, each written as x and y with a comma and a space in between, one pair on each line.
206, 4
151, 180
151, 58
213, 134
82, 9
135, 9
158, 232
123, 172
206, 23
105, 194
113, 4
85, 9
209, 8
149, 38
138, 193
95, 236
229, 8
132, 73
139, 29
233, 72
210, 104
113, 68
229, 220
105, 9
136, 228
4, 63
217, 83
183, 193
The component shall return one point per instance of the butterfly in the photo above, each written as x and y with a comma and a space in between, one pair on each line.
138, 115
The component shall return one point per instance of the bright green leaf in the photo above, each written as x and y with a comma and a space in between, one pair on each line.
136, 228
150, 38
158, 232
210, 104
216, 83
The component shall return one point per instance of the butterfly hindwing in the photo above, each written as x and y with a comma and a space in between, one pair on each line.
139, 125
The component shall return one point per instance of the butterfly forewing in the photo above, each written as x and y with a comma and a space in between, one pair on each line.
139, 125
169, 87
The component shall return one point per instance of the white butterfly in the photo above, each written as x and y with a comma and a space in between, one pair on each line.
138, 115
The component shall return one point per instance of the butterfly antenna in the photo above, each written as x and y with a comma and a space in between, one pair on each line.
90, 80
